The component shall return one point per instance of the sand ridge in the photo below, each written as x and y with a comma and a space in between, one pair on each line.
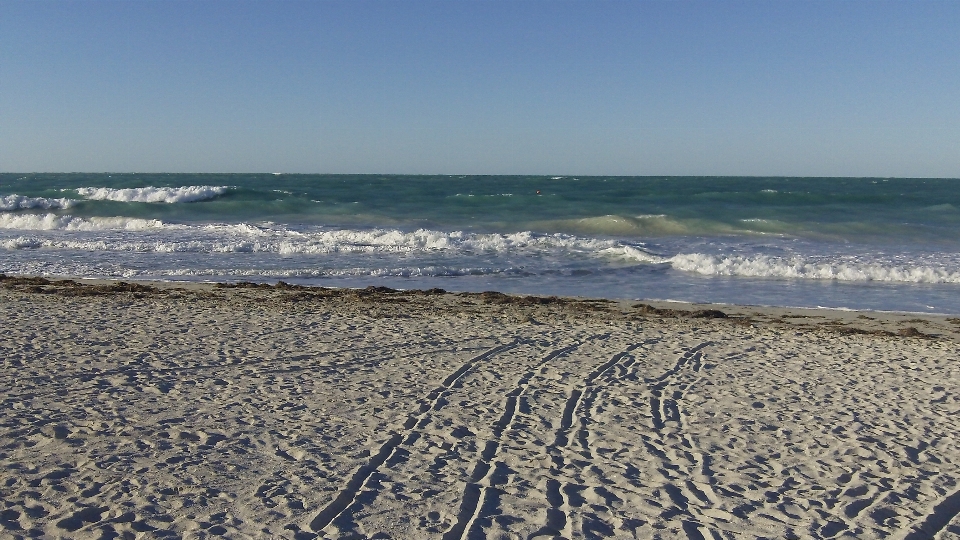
148, 410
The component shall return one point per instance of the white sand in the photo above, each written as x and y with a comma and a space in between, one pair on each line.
277, 414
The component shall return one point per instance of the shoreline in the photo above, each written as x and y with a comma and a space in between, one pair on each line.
889, 323
281, 411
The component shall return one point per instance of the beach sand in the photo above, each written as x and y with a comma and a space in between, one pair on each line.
164, 410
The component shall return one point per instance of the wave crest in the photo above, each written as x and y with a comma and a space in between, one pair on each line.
53, 222
794, 267
19, 202
151, 194
647, 225
158, 237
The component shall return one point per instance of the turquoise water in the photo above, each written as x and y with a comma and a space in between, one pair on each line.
870, 243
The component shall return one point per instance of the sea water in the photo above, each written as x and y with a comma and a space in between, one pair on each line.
857, 243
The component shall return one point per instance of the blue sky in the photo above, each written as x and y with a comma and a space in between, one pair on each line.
808, 88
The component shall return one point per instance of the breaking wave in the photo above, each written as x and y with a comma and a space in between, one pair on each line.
514, 250
19, 202
646, 225
222, 238
53, 222
152, 194
821, 268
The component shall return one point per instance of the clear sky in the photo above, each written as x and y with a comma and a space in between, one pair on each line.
798, 88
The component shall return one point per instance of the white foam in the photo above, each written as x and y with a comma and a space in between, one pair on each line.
53, 222
144, 236
152, 194
22, 243
424, 240
243, 237
821, 268
20, 202
634, 254
800, 268
406, 272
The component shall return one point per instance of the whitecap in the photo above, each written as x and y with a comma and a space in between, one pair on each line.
53, 222
801, 268
151, 194
159, 237
20, 202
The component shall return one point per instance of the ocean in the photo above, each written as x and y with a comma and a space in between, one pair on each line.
855, 243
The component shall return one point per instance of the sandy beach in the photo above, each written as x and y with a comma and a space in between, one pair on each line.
162, 410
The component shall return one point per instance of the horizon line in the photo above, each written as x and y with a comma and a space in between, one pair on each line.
552, 176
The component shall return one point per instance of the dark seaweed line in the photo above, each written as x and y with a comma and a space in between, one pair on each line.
475, 493
349, 493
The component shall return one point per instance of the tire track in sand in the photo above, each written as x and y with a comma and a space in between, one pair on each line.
666, 393
433, 401
580, 401
937, 520
482, 481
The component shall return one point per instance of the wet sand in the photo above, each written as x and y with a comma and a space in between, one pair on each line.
164, 410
